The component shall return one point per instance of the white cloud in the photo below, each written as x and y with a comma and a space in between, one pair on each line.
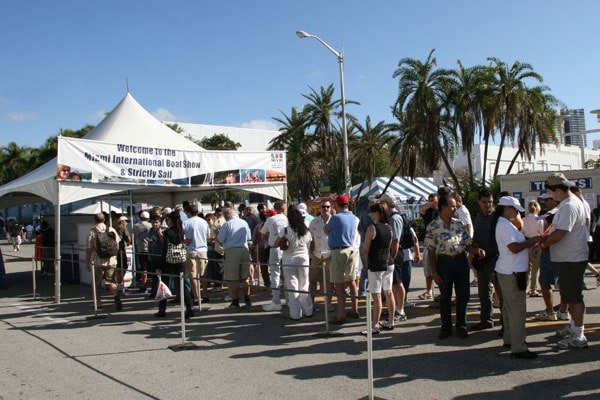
260, 124
20, 117
162, 114
98, 116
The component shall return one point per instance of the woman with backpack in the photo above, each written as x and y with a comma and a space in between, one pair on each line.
174, 256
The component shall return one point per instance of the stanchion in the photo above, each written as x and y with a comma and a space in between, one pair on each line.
183, 345
369, 345
327, 333
3, 280
95, 296
33, 278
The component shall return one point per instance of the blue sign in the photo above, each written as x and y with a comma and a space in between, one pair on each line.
582, 183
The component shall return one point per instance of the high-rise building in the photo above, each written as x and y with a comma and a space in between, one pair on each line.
574, 122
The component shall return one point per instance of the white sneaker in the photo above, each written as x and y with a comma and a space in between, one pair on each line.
272, 307
400, 317
425, 296
564, 332
227, 298
573, 343
564, 316
546, 316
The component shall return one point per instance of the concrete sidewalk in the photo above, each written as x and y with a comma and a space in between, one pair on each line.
54, 351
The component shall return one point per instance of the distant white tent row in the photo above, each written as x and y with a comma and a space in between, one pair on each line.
402, 188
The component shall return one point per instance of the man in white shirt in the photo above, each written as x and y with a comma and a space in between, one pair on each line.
320, 253
270, 230
569, 250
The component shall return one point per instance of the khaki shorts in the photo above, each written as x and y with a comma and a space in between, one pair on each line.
196, 264
236, 264
316, 270
342, 265
104, 275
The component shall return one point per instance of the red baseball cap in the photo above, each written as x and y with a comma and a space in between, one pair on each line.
342, 199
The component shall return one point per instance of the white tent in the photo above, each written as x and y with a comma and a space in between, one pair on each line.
127, 123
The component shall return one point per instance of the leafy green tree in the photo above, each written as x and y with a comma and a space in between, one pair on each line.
537, 119
320, 112
303, 164
511, 90
464, 91
422, 114
219, 141
370, 149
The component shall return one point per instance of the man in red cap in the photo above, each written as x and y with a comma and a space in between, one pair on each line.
342, 228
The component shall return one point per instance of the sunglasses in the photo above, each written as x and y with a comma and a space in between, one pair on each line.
325, 206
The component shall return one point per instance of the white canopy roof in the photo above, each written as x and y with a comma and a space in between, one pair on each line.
128, 122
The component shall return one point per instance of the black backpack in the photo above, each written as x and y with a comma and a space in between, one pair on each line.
406, 240
106, 244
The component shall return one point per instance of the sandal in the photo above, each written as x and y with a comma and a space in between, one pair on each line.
534, 293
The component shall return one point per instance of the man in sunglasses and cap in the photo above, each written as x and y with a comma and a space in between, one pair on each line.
567, 240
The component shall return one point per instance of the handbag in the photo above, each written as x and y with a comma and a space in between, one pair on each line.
163, 292
284, 244
175, 253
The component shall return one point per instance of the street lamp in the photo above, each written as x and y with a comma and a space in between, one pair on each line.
340, 57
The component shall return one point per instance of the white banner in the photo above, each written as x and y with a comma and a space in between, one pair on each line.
94, 161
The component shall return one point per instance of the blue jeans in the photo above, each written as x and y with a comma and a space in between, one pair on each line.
454, 274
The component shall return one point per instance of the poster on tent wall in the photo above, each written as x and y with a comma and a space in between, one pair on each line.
101, 162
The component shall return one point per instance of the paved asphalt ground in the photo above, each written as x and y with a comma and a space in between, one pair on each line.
55, 351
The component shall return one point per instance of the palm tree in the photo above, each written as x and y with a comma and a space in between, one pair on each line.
422, 112
369, 149
302, 165
536, 122
511, 91
466, 89
16, 161
320, 112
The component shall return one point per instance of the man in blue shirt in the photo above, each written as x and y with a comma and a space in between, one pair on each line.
234, 235
341, 228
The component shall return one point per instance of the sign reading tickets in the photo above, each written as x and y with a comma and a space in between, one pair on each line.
101, 162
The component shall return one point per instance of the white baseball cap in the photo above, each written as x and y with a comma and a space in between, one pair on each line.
511, 202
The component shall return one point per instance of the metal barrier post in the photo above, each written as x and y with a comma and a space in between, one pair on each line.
183, 345
33, 278
325, 297
182, 305
95, 296
327, 332
369, 345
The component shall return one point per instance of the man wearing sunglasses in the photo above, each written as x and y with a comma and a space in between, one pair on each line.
567, 240
320, 254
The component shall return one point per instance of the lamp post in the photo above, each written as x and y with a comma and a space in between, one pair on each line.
340, 57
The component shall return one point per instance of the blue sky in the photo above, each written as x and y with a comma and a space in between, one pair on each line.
239, 63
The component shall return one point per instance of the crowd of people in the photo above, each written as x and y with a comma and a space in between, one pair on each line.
342, 256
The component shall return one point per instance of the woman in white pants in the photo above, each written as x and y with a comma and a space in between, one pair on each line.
295, 264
